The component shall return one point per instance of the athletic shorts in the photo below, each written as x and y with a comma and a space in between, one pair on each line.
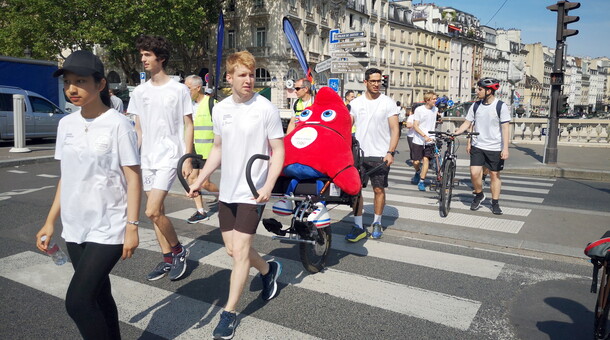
161, 179
410, 142
379, 178
198, 163
489, 159
421, 151
241, 217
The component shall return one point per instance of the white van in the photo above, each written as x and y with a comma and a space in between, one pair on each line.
41, 115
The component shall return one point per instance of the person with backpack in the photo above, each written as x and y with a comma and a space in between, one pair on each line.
490, 147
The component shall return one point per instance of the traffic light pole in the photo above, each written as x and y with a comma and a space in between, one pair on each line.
550, 151
561, 7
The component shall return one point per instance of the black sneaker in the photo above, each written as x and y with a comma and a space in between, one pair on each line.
159, 272
270, 280
495, 208
226, 326
476, 202
178, 264
198, 217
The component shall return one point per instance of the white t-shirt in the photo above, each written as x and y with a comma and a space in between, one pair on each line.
117, 103
487, 124
93, 187
411, 131
161, 110
372, 126
245, 130
427, 122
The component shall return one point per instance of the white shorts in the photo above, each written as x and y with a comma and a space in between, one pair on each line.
161, 179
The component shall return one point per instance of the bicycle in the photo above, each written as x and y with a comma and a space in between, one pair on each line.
445, 168
600, 258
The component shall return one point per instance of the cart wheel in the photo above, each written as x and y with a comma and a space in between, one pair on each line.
314, 257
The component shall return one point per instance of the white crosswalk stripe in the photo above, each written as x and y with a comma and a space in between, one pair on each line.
17, 171
47, 176
417, 256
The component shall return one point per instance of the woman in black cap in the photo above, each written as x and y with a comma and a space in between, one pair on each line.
98, 195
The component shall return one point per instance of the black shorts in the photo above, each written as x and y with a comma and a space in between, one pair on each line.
421, 151
198, 163
489, 159
241, 217
379, 178
410, 141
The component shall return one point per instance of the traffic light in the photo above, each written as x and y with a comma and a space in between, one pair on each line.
563, 106
563, 19
385, 80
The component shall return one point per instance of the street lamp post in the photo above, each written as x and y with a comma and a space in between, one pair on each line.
512, 100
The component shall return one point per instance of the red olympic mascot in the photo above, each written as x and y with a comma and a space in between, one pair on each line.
321, 144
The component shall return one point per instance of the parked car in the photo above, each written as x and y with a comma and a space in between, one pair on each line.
41, 115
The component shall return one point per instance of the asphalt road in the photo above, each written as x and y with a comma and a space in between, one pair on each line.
470, 276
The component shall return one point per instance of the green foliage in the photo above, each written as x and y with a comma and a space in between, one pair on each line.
49, 27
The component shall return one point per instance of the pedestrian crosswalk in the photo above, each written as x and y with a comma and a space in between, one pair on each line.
451, 304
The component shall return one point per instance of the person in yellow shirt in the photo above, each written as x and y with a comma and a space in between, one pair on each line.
203, 139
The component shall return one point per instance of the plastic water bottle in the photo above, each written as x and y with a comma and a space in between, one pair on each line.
53, 250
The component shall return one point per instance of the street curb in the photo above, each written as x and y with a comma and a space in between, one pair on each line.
23, 161
594, 175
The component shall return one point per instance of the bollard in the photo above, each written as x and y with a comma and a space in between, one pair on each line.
19, 124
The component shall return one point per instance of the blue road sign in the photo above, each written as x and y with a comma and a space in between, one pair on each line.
333, 83
332, 38
142, 75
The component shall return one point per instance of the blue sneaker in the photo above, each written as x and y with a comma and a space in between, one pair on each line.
270, 280
178, 267
377, 230
415, 178
159, 272
356, 234
226, 326
421, 186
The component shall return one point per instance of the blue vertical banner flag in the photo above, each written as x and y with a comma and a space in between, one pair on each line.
219, 40
293, 39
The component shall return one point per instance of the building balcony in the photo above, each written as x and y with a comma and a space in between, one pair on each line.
259, 51
314, 57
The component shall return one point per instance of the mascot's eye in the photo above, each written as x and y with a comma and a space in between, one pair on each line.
305, 114
328, 115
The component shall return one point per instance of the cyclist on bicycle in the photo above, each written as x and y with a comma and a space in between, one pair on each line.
490, 147
423, 147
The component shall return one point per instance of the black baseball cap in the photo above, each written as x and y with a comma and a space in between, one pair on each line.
83, 63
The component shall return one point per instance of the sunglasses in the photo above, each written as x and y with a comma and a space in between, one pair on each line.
299, 88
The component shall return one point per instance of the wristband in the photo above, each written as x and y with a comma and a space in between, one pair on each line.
136, 223
392, 153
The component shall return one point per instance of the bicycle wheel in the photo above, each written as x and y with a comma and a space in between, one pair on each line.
602, 306
447, 187
313, 257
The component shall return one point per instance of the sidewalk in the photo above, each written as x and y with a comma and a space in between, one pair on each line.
574, 162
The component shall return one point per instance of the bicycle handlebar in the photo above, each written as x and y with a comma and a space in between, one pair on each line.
249, 172
453, 135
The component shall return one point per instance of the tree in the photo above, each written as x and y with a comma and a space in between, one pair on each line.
50, 27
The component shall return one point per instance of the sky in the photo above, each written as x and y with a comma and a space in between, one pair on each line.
538, 24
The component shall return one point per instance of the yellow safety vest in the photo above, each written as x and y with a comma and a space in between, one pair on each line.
298, 107
204, 134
